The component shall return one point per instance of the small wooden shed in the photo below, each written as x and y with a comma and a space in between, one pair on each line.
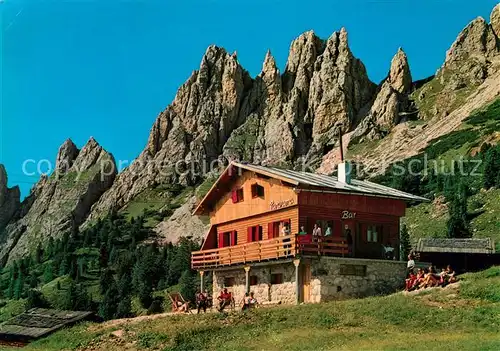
462, 254
37, 323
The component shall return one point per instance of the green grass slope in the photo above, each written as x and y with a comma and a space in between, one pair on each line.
429, 219
464, 317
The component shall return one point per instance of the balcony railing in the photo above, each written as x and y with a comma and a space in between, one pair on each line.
271, 249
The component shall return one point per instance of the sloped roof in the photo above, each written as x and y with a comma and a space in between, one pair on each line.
482, 246
39, 322
314, 180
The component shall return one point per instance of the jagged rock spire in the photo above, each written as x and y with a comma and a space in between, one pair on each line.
399, 74
495, 20
66, 156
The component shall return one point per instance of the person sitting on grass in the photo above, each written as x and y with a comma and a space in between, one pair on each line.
224, 299
449, 275
430, 279
410, 281
420, 277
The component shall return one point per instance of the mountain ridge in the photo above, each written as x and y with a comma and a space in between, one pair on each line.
289, 119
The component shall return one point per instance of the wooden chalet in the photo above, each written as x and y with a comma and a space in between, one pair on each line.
249, 205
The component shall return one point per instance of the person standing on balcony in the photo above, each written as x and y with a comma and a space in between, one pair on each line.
316, 232
285, 232
328, 231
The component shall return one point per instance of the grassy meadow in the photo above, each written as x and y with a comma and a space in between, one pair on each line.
459, 317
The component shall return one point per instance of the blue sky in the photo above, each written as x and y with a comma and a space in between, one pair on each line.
106, 68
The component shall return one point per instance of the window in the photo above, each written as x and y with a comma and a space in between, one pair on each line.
372, 234
228, 239
254, 233
253, 280
257, 191
277, 278
228, 282
273, 230
237, 195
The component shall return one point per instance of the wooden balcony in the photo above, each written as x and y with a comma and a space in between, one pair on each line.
266, 250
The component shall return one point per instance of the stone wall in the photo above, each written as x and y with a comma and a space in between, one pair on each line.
263, 290
332, 278
340, 278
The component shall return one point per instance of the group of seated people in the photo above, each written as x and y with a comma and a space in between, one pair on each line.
426, 278
226, 299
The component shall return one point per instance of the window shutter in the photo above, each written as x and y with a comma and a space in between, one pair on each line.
221, 240
234, 196
249, 234
233, 238
270, 230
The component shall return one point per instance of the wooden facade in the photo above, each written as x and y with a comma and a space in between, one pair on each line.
249, 209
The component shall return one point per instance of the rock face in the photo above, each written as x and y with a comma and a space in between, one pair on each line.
190, 132
473, 57
391, 105
495, 20
298, 116
61, 202
9, 199
66, 156
183, 224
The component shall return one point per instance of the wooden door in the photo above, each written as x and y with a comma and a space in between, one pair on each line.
305, 280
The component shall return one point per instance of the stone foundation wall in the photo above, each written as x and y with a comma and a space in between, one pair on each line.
340, 278
332, 278
263, 290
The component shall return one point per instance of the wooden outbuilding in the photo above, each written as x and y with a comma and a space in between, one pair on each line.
37, 323
471, 254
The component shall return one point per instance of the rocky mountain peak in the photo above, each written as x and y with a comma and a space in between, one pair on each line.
339, 88
270, 75
3, 179
66, 156
495, 20
477, 40
269, 66
300, 64
64, 201
9, 199
399, 74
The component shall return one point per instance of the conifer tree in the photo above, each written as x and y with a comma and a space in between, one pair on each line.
405, 243
48, 273
491, 175
108, 308
458, 223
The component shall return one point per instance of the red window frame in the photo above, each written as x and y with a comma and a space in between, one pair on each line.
254, 233
227, 239
237, 195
